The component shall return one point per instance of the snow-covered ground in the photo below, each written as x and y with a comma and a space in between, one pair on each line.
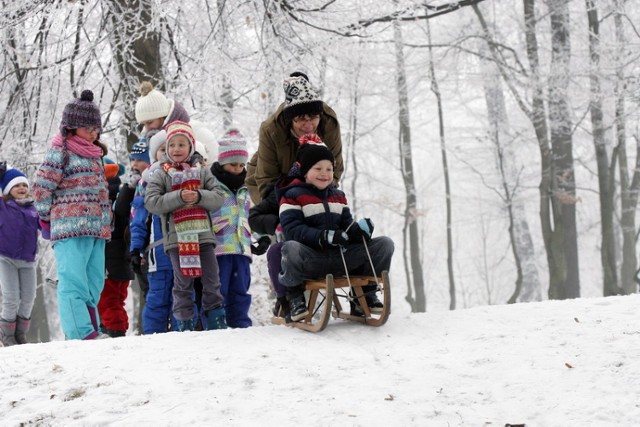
555, 363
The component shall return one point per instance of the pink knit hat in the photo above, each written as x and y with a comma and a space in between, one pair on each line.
232, 148
180, 128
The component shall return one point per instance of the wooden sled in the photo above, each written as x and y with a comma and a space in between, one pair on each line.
326, 294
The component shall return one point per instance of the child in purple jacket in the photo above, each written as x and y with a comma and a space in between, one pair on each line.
18, 247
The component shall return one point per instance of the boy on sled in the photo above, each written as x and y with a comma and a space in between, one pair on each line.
318, 225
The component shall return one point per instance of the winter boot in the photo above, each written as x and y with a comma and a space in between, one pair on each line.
370, 294
297, 303
93, 314
216, 319
7, 333
281, 309
112, 332
185, 325
375, 305
22, 327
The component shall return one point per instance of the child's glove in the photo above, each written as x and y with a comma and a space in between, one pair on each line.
261, 246
132, 179
45, 229
136, 261
334, 238
366, 225
361, 229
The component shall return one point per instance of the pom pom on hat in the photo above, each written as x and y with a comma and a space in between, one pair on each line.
79, 113
300, 97
140, 151
152, 104
232, 148
111, 169
312, 150
180, 128
11, 178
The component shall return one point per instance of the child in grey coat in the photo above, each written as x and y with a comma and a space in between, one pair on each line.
182, 193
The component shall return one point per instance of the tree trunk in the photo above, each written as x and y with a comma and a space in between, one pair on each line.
445, 170
39, 330
136, 49
527, 282
610, 285
418, 302
629, 181
564, 238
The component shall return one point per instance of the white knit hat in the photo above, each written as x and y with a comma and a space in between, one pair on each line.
202, 150
151, 104
155, 143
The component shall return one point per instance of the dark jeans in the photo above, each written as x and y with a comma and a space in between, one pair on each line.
300, 262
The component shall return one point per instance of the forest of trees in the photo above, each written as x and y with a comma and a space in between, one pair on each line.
497, 143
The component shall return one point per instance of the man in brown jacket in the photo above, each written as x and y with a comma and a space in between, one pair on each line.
302, 112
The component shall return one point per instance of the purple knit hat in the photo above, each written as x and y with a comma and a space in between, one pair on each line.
79, 113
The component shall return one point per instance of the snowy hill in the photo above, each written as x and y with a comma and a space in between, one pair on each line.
559, 363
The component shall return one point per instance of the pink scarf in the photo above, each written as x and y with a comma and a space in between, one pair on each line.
79, 146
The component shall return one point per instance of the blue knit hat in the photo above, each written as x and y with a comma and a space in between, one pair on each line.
140, 151
11, 178
80, 113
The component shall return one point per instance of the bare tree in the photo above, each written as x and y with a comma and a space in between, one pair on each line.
445, 171
610, 283
565, 274
527, 282
413, 264
629, 176
136, 49
553, 130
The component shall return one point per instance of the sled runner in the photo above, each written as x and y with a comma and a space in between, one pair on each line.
324, 300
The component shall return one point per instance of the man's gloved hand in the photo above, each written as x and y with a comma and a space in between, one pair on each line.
334, 238
3, 168
261, 246
136, 261
45, 229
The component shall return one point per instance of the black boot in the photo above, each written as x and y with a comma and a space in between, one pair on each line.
281, 309
370, 295
297, 303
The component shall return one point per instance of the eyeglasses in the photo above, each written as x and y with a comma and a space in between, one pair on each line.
91, 129
306, 118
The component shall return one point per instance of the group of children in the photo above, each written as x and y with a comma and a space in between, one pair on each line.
186, 220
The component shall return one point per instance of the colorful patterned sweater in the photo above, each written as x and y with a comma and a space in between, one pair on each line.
231, 222
70, 191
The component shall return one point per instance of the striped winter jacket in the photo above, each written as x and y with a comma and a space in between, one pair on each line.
305, 211
70, 191
231, 222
